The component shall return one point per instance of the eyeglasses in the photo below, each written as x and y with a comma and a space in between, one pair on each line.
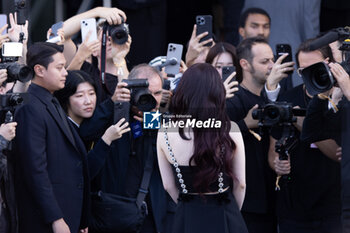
299, 71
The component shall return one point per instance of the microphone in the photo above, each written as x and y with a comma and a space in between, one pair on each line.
171, 62
324, 40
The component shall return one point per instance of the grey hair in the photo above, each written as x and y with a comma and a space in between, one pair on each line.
144, 71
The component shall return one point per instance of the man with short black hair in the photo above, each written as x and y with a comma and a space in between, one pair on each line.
259, 86
310, 201
51, 177
254, 22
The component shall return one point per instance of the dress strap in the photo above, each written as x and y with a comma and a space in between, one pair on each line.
175, 164
178, 170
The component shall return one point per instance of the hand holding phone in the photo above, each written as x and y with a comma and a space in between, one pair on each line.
173, 59
229, 80
227, 71
86, 26
283, 49
54, 29
205, 24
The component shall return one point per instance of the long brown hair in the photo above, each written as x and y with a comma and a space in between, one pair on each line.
201, 94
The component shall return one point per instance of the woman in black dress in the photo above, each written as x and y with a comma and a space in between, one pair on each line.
203, 169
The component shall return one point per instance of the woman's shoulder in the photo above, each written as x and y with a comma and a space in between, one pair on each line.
234, 128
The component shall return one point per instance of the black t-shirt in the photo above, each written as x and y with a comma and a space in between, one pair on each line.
260, 178
314, 188
103, 91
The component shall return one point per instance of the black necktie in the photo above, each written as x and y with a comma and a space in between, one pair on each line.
62, 116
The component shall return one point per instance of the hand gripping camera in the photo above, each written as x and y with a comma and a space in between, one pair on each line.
140, 95
119, 33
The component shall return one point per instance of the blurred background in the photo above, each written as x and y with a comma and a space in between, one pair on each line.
155, 23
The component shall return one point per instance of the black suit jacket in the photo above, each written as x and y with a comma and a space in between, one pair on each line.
51, 167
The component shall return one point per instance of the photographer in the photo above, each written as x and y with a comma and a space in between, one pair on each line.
8, 219
322, 122
17, 33
260, 74
125, 169
309, 199
115, 64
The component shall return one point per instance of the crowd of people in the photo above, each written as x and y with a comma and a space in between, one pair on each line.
75, 155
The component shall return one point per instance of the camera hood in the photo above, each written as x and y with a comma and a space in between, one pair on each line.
317, 78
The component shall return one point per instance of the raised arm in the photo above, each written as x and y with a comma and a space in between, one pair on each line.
112, 15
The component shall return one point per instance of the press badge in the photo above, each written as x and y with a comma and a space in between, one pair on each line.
136, 129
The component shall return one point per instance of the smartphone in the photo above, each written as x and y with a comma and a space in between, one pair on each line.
205, 24
173, 57
282, 49
54, 29
3, 22
227, 71
12, 49
166, 84
86, 26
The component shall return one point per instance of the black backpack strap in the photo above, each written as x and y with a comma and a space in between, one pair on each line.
147, 172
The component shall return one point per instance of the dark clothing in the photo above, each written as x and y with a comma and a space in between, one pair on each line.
158, 199
111, 178
8, 214
96, 155
205, 213
51, 175
259, 223
147, 24
102, 91
321, 123
329, 224
231, 15
208, 214
122, 171
260, 195
312, 194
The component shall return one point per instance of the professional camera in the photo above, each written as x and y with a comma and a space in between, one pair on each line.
277, 113
119, 33
140, 95
16, 71
318, 78
10, 100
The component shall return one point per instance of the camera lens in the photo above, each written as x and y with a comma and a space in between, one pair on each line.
320, 78
272, 113
119, 35
144, 99
15, 100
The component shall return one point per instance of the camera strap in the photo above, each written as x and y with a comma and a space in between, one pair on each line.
103, 54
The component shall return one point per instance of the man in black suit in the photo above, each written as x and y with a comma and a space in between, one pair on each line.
52, 183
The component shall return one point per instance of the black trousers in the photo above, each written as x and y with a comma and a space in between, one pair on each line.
260, 223
4, 226
329, 224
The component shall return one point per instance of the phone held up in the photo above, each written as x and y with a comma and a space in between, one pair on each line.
173, 59
283, 49
227, 71
205, 24
86, 26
